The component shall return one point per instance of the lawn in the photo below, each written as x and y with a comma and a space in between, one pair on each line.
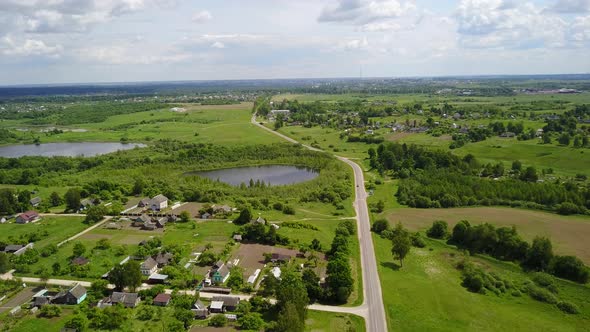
327, 321
58, 228
426, 295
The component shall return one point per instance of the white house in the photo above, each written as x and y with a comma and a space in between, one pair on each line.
149, 267
159, 202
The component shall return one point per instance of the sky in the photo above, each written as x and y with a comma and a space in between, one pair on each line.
71, 41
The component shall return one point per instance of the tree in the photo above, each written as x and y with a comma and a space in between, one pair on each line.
207, 258
78, 322
72, 198
185, 316
339, 282
564, 139
54, 199
539, 255
103, 244
56, 267
288, 319
95, 213
316, 245
516, 166
569, 267
546, 138
50, 311
312, 285
401, 246
98, 288
291, 291
577, 142
244, 217
79, 249
138, 187
24, 200
529, 175
251, 321
4, 263
236, 278
438, 230
126, 275
185, 216
218, 321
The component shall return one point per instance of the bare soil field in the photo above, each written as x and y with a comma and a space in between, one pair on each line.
568, 233
397, 136
251, 256
192, 208
243, 105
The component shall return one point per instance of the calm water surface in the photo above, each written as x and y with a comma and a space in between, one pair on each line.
273, 174
87, 149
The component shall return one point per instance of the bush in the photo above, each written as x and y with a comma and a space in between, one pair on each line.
474, 283
568, 307
417, 240
380, 225
438, 230
218, 321
569, 267
541, 294
567, 208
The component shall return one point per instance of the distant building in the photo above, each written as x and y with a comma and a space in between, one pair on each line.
27, 217
149, 266
35, 201
162, 299
129, 300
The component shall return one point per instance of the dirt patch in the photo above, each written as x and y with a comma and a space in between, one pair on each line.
192, 208
240, 106
251, 256
397, 136
568, 233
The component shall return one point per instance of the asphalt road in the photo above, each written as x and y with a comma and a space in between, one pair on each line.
372, 309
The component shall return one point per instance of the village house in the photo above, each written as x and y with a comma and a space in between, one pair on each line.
17, 249
129, 300
157, 203
88, 202
507, 134
200, 310
162, 299
280, 258
73, 296
35, 201
79, 261
220, 304
220, 272
149, 266
27, 217
224, 209
163, 259
237, 237
258, 220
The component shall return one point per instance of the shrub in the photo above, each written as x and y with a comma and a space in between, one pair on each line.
417, 240
438, 230
380, 225
218, 321
568, 307
541, 294
569, 267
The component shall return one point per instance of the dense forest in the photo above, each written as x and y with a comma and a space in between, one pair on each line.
439, 179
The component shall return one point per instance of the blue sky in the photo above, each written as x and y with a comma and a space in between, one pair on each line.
66, 41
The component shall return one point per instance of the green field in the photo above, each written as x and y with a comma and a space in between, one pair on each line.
327, 321
58, 228
426, 295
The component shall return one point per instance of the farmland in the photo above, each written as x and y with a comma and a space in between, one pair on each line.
52, 229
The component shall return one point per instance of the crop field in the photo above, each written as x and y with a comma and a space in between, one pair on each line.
426, 295
57, 228
568, 233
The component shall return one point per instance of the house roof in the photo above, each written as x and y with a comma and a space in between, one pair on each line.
163, 258
231, 301
162, 298
35, 200
199, 305
237, 237
13, 247
157, 276
159, 199
29, 215
218, 264
149, 264
145, 201
281, 257
144, 218
78, 291
121, 297
223, 271
216, 305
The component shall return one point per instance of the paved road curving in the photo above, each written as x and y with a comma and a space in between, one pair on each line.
372, 309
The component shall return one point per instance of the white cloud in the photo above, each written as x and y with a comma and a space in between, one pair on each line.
202, 16
63, 16
29, 47
571, 6
361, 12
381, 26
506, 24
355, 44
580, 31
122, 55
218, 44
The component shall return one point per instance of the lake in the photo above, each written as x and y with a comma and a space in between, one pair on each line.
270, 174
87, 149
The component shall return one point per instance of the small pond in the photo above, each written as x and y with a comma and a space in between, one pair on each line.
270, 174
87, 149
